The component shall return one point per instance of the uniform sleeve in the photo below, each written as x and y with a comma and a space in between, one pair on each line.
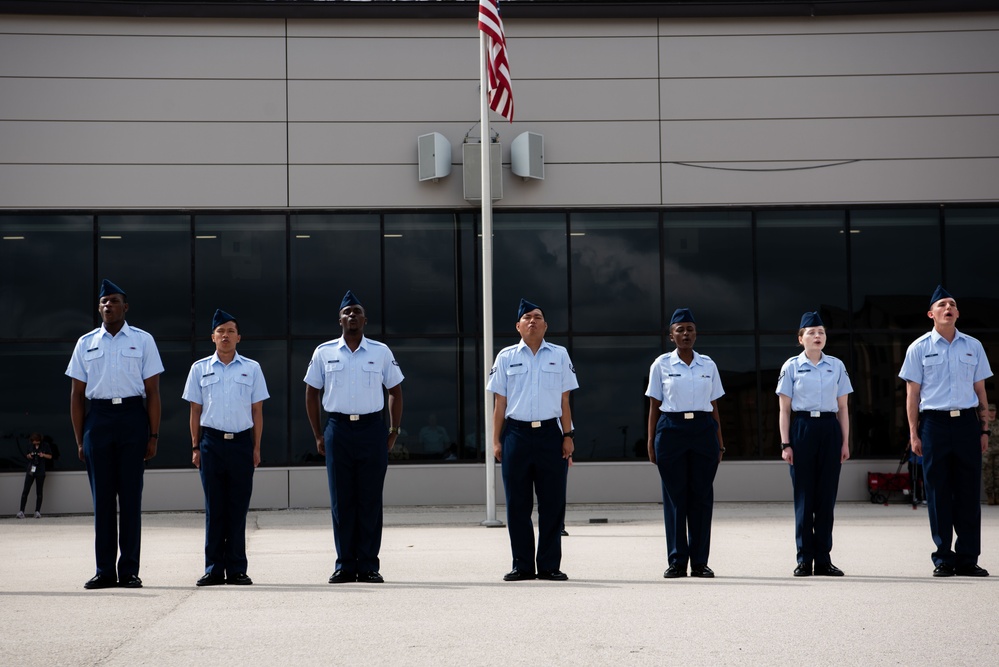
844, 386
982, 371
392, 374
151, 362
192, 388
497, 377
76, 369
259, 392
655, 388
569, 381
314, 376
912, 366
785, 381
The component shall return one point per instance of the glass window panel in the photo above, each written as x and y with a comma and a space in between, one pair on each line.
174, 449
972, 239
735, 357
895, 257
303, 445
610, 410
530, 262
431, 395
331, 254
472, 426
470, 271
47, 276
240, 268
38, 401
878, 426
420, 278
801, 267
708, 268
149, 256
615, 268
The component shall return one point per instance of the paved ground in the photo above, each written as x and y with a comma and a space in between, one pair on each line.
444, 602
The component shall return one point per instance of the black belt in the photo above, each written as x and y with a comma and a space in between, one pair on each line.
950, 413
356, 419
535, 424
814, 414
117, 402
688, 415
223, 435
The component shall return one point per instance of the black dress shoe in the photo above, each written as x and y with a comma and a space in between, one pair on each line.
210, 579
100, 582
557, 575
565, 533
674, 571
827, 570
371, 577
803, 570
239, 579
131, 581
943, 570
341, 577
518, 575
702, 571
970, 570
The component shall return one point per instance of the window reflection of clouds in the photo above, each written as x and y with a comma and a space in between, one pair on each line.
420, 273
529, 261
708, 265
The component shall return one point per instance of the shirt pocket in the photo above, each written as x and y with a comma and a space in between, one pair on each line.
933, 368
966, 368
244, 385
336, 373
131, 358
372, 374
551, 375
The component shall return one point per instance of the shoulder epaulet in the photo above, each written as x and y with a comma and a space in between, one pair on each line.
335, 341
208, 358
509, 347
376, 343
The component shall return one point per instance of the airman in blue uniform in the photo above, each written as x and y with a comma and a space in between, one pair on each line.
226, 392
345, 378
947, 409
685, 443
117, 368
533, 440
814, 387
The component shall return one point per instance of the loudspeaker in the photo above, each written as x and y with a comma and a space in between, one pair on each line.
435, 156
472, 159
527, 155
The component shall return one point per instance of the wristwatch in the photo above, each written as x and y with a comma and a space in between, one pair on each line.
570, 434
784, 445
394, 429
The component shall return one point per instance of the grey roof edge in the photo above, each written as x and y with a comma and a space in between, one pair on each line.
445, 9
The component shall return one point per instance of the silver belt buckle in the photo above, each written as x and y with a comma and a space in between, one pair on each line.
815, 413
355, 418
688, 415
955, 413
115, 401
535, 424
228, 436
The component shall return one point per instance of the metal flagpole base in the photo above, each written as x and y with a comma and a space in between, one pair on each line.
492, 523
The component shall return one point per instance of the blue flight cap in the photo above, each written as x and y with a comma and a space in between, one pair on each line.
939, 293
682, 315
526, 307
349, 300
108, 288
221, 317
811, 320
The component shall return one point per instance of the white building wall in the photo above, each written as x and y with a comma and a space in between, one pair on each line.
185, 113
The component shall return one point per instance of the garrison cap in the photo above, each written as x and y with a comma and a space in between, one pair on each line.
811, 320
221, 317
349, 300
682, 315
108, 288
939, 293
526, 307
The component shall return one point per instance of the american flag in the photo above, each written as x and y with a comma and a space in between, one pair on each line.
497, 66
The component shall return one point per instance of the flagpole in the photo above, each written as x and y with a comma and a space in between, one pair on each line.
487, 289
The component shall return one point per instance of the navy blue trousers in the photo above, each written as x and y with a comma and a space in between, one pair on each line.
114, 449
356, 462
817, 443
687, 453
227, 478
952, 475
532, 464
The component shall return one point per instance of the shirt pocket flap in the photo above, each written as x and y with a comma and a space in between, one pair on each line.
516, 369
208, 380
95, 353
372, 367
552, 367
243, 379
334, 365
133, 352
932, 359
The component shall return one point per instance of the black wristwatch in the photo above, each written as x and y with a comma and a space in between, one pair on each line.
784, 445
986, 432
570, 434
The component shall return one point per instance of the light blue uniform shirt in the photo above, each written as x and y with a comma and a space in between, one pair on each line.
352, 381
115, 366
226, 393
814, 387
945, 372
533, 384
683, 388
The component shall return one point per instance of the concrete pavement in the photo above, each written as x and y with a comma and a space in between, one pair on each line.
444, 601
